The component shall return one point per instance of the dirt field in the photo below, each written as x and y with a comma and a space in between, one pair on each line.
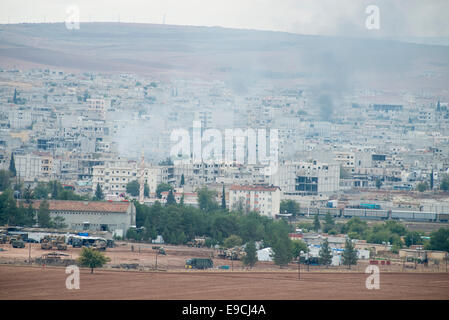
145, 257
19, 282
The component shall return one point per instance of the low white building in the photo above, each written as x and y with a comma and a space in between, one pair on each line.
93, 215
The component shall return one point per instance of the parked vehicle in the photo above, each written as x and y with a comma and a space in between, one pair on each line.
18, 243
199, 263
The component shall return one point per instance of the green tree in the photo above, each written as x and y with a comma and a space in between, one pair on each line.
43, 215
4, 180
181, 201
162, 187
232, 241
329, 223
422, 186
289, 206
223, 199
12, 166
356, 227
59, 222
439, 240
56, 189
182, 180
250, 258
150, 230
8, 207
92, 259
444, 185
297, 247
41, 191
170, 198
99, 193
413, 238
350, 254
206, 199
316, 223
146, 190
378, 183
325, 253
133, 188
20, 216
28, 194
282, 251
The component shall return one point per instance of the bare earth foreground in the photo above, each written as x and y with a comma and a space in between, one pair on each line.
17, 282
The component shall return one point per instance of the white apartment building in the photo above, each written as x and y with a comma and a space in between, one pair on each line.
37, 166
113, 176
98, 107
199, 174
266, 200
19, 119
307, 178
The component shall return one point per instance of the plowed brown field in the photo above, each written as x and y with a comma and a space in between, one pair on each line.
19, 282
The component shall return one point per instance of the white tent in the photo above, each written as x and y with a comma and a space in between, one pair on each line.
264, 254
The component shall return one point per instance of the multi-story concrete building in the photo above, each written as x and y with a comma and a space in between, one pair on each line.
265, 200
37, 166
307, 178
114, 175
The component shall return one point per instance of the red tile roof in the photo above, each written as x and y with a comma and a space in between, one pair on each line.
92, 206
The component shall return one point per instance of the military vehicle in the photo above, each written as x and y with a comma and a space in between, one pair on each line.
18, 243
197, 242
235, 253
53, 242
55, 258
4, 238
99, 245
199, 263
160, 250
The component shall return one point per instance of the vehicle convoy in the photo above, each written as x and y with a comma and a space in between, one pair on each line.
199, 263
95, 243
53, 242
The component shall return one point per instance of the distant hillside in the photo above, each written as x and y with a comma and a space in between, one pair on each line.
213, 52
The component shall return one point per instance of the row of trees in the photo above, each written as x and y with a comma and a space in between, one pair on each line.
392, 232
23, 214
179, 224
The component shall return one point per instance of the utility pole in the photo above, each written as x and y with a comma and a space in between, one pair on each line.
299, 265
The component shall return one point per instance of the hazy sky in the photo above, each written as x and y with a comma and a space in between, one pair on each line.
332, 17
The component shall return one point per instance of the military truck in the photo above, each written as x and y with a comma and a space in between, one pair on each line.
99, 245
18, 243
55, 258
235, 253
197, 242
199, 263
160, 250
53, 242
